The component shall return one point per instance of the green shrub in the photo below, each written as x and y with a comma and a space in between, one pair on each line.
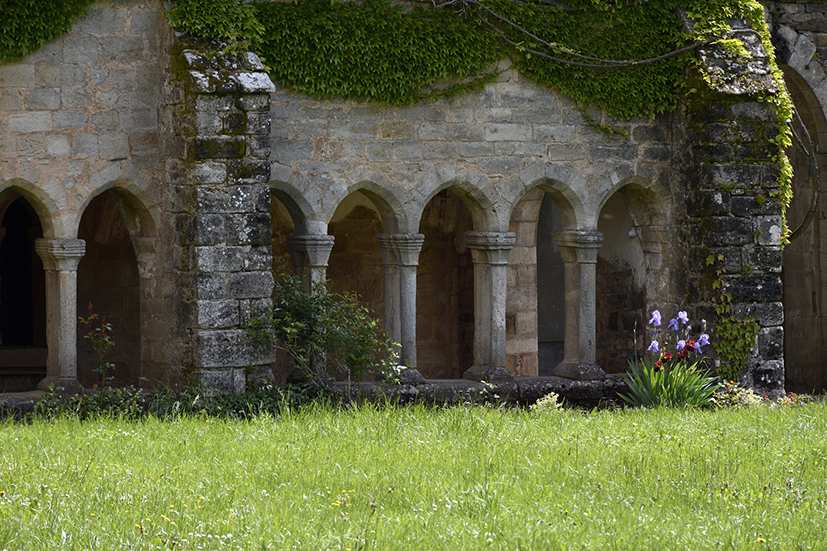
322, 332
268, 400
96, 402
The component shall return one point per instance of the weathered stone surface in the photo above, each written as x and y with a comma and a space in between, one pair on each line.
229, 348
218, 147
754, 288
250, 284
219, 259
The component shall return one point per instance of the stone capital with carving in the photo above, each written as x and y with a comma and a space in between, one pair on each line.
400, 248
314, 248
579, 245
60, 254
490, 247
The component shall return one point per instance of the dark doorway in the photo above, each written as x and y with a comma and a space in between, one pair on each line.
22, 300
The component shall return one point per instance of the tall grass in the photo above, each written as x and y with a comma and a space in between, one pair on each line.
416, 478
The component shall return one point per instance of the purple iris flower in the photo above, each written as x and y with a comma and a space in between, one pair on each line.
655, 318
654, 347
673, 324
703, 321
698, 348
681, 345
683, 317
703, 340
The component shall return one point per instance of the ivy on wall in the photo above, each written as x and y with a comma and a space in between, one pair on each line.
390, 54
373, 50
377, 51
26, 25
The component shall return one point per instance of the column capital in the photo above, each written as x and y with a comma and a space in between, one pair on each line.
579, 246
490, 247
60, 254
315, 248
400, 248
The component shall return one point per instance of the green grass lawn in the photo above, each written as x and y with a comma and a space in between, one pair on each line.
415, 478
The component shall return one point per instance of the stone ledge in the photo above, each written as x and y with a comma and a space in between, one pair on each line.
522, 392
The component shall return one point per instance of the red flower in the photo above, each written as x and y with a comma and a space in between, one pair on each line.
658, 365
667, 357
683, 353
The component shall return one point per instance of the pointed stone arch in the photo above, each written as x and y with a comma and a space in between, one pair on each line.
47, 208
119, 276
804, 260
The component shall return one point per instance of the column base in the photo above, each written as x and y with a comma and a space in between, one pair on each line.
59, 383
578, 371
488, 374
411, 376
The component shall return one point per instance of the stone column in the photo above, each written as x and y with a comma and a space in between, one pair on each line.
310, 254
400, 253
60, 261
578, 250
489, 252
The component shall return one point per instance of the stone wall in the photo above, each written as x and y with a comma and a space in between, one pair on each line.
213, 171
81, 116
490, 149
732, 209
222, 225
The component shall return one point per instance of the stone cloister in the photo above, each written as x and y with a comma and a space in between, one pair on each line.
497, 234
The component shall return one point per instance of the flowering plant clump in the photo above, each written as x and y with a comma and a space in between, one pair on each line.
673, 374
677, 332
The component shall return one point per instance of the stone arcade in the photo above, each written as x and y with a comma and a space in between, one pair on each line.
495, 230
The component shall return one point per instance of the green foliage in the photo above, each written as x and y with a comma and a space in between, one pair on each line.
374, 50
602, 29
228, 21
26, 25
258, 402
673, 385
99, 333
735, 336
321, 331
391, 374
96, 402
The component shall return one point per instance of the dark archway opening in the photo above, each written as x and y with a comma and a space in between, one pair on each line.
803, 274
108, 279
551, 300
22, 300
445, 290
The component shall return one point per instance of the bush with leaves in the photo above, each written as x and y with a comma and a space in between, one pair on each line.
322, 332
268, 400
126, 403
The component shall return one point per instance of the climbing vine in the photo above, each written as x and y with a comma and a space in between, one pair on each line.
26, 25
591, 50
629, 58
